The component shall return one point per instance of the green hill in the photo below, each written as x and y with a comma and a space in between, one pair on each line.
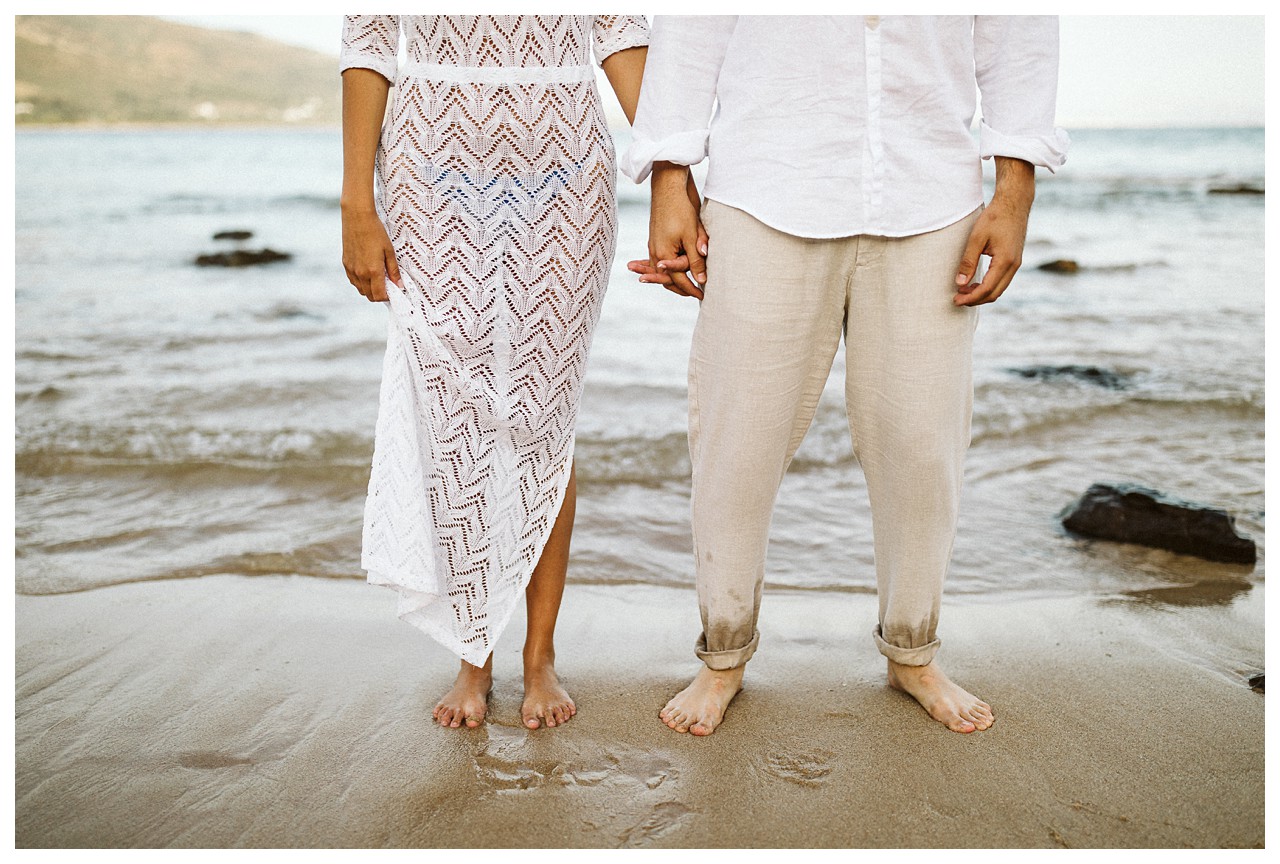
132, 69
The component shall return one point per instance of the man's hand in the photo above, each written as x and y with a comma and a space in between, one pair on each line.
677, 240
367, 253
1000, 232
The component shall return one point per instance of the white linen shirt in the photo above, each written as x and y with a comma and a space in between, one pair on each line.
831, 126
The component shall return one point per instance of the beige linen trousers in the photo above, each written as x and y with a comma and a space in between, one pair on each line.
767, 331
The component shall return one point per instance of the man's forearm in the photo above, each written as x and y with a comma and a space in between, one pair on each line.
1015, 183
668, 178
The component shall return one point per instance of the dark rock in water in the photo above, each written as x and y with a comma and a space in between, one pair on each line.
1258, 682
1238, 189
242, 258
1128, 513
1088, 374
1062, 265
233, 235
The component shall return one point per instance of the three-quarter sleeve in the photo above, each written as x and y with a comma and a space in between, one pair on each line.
614, 33
370, 42
1016, 60
679, 88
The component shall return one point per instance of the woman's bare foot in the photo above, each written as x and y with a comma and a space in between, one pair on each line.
947, 702
469, 698
699, 708
544, 698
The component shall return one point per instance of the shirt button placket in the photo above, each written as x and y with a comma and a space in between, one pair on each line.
873, 148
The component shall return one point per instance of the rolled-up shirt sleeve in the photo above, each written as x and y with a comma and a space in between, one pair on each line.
370, 42
1016, 60
614, 33
679, 88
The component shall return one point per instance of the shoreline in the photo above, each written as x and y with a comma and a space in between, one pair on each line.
292, 711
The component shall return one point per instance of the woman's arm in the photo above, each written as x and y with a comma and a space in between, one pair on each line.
367, 254
625, 71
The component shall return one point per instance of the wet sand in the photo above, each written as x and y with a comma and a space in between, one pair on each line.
288, 711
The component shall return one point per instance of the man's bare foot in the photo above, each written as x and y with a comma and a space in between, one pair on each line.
947, 702
699, 708
544, 698
468, 700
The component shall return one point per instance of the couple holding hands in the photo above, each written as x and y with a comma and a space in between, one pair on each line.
843, 196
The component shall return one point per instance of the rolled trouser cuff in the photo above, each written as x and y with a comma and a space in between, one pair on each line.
732, 658
920, 656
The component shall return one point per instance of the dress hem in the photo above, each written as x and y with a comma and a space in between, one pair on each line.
383, 575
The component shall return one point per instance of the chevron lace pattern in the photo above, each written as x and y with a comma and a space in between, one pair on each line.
498, 196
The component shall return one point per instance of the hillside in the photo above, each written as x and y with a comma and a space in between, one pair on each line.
132, 69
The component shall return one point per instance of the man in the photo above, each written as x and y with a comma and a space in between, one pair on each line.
844, 195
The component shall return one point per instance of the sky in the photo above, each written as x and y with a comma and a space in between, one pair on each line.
1118, 70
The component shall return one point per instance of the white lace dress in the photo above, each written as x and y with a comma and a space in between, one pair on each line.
496, 183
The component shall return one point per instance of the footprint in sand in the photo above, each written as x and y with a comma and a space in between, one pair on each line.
503, 762
806, 768
661, 821
636, 787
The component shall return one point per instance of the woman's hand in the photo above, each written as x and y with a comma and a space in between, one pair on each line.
367, 254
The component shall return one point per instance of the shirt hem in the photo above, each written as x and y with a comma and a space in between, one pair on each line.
839, 233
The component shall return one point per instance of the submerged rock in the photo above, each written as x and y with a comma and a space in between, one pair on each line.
1089, 374
1062, 265
1128, 513
233, 235
1258, 682
1238, 189
241, 258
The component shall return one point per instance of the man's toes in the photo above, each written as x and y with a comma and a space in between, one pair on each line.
978, 715
703, 727
959, 724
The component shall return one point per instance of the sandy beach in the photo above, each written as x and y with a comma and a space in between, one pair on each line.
230, 711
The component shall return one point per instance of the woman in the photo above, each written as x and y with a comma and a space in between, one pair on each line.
491, 235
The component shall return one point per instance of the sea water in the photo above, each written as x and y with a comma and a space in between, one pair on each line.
176, 421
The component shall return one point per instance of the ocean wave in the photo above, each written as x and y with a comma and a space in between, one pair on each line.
48, 393
317, 202
639, 460
1013, 417
46, 451
187, 204
1006, 407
